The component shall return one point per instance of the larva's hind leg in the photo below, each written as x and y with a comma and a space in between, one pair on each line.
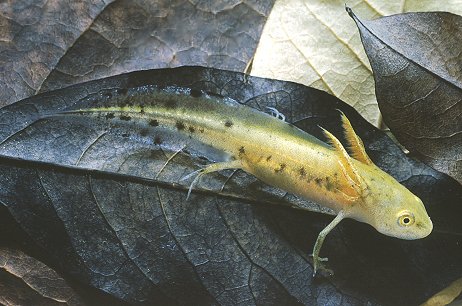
276, 113
233, 164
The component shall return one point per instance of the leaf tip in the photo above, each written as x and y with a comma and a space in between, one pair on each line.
349, 10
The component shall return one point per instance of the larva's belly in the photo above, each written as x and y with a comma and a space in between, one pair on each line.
312, 178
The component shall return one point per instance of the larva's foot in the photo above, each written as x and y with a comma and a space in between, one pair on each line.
276, 113
318, 266
320, 258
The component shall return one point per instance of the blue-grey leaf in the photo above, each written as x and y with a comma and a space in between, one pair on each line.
126, 232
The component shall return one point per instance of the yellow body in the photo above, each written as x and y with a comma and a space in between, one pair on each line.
279, 154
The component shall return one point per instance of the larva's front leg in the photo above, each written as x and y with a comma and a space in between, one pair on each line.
322, 235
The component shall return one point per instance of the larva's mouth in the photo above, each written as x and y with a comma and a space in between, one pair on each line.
417, 231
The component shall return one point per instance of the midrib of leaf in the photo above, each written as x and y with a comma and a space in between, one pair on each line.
373, 7
330, 90
401, 6
365, 64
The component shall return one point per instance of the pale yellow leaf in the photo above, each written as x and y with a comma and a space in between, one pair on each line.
316, 43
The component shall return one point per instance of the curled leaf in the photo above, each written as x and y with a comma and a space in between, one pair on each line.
447, 295
417, 67
314, 43
27, 281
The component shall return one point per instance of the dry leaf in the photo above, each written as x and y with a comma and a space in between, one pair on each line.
26, 281
417, 67
139, 240
313, 42
445, 296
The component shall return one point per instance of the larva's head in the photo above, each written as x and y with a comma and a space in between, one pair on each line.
376, 197
390, 207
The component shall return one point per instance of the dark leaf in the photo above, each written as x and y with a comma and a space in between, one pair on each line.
417, 64
142, 34
47, 45
34, 36
138, 239
26, 281
41, 283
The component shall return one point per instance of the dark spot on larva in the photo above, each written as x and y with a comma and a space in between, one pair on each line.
281, 168
302, 172
201, 130
269, 158
142, 109
318, 181
213, 94
122, 91
191, 129
125, 135
170, 103
329, 184
144, 132
241, 150
154, 153
110, 116
180, 125
125, 118
195, 93
153, 122
229, 123
157, 140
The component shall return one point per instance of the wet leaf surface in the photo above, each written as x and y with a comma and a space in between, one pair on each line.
417, 66
119, 230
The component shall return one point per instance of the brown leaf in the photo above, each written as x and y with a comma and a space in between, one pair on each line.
447, 295
417, 66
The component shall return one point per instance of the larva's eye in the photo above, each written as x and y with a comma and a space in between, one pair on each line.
406, 218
